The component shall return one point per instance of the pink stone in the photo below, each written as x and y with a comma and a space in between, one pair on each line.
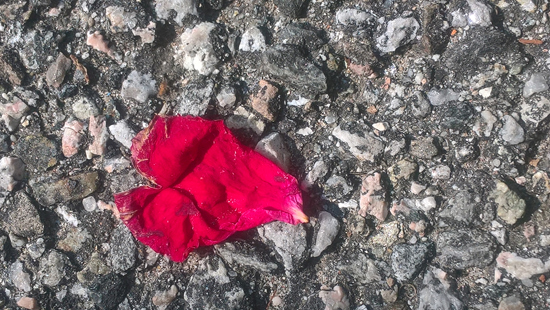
72, 138
400, 207
529, 231
98, 130
13, 112
96, 40
28, 303
373, 198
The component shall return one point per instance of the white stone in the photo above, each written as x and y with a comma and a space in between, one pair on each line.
521, 268
183, 8
512, 132
438, 97
196, 50
226, 97
253, 40
13, 112
364, 148
138, 86
480, 14
122, 133
328, 230
89, 204
485, 92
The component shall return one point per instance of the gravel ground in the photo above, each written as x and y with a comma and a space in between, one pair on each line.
419, 131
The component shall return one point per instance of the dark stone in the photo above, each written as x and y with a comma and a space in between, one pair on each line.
465, 248
408, 260
302, 35
291, 8
454, 115
19, 216
287, 65
38, 152
108, 291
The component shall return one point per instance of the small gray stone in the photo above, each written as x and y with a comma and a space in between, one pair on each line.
438, 97
182, 8
408, 260
19, 277
138, 87
511, 303
461, 207
289, 241
123, 249
536, 84
163, 298
399, 32
93, 270
364, 147
273, 147
338, 185
122, 133
335, 299
480, 13
436, 295
360, 268
195, 98
36, 248
423, 148
57, 70
67, 189
512, 132
226, 97
465, 248
328, 230
286, 64
318, 172
52, 268
510, 206
210, 288
245, 255
19, 216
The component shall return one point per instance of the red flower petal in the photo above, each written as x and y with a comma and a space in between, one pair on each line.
209, 186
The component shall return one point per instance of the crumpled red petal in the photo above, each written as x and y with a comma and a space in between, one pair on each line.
207, 186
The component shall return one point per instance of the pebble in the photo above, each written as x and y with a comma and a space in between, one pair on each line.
442, 96
13, 112
521, 268
287, 65
122, 133
335, 299
510, 206
463, 249
373, 197
120, 20
267, 100
162, 299
437, 295
512, 132
19, 277
399, 32
538, 82
211, 288
84, 108
362, 269
123, 249
19, 216
423, 148
195, 98
288, 240
441, 172
226, 97
98, 42
108, 291
290, 8
28, 303
52, 268
183, 8
36, 248
246, 255
196, 50
12, 171
57, 70
146, 34
138, 87
317, 172
67, 189
480, 13
461, 208
364, 147
73, 135
100, 135
253, 40
511, 303
273, 147
328, 230
408, 260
